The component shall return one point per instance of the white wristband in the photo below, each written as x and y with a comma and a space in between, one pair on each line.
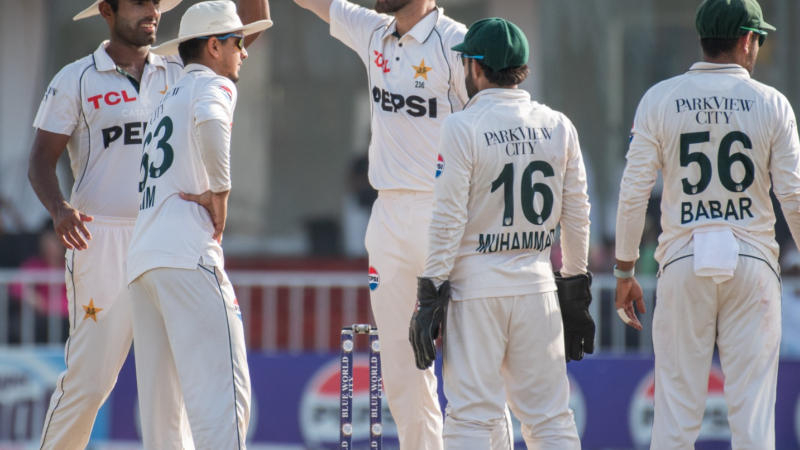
623, 274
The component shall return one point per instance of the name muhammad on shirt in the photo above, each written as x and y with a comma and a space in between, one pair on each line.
517, 240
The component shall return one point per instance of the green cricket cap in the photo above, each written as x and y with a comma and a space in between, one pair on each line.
729, 19
496, 42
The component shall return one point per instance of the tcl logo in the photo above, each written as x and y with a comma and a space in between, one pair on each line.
110, 98
381, 62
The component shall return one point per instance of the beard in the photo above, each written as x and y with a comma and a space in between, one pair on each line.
472, 89
134, 35
390, 6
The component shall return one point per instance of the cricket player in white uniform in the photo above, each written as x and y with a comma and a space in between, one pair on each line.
415, 82
186, 321
721, 140
97, 107
512, 171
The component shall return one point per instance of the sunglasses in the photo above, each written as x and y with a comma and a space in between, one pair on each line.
239, 42
762, 35
464, 57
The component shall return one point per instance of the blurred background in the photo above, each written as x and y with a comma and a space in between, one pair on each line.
301, 200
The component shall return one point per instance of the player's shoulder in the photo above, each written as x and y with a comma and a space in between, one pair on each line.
451, 31
664, 87
172, 63
464, 119
217, 86
769, 94
75, 70
353, 11
662, 92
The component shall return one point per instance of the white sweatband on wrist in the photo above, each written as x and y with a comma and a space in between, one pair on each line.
214, 139
623, 274
623, 316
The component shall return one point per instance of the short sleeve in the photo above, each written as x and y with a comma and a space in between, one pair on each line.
353, 25
60, 108
458, 83
216, 101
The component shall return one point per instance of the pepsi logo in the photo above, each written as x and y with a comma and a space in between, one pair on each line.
439, 166
374, 279
319, 407
714, 426
236, 309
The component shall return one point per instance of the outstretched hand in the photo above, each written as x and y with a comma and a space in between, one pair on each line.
217, 206
69, 225
629, 293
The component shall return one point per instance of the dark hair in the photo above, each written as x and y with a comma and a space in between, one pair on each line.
714, 47
114, 4
509, 76
191, 50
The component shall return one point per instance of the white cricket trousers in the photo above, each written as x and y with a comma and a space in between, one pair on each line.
188, 335
743, 317
397, 244
507, 349
99, 338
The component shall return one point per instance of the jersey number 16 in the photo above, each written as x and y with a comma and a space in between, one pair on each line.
528, 191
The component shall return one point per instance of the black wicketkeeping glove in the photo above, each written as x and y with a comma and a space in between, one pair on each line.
427, 320
575, 296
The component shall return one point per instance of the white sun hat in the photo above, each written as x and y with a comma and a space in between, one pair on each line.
208, 19
94, 10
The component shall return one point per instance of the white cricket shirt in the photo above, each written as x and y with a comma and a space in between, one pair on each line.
415, 82
511, 171
718, 136
169, 231
105, 114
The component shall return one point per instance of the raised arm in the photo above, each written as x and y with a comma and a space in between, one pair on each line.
321, 8
67, 221
251, 11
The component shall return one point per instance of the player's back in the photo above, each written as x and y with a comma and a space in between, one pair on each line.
714, 129
172, 232
517, 153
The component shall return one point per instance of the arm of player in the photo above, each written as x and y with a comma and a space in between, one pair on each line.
785, 168
350, 23
637, 182
575, 210
629, 295
213, 118
216, 203
451, 194
251, 11
444, 237
68, 222
214, 138
321, 8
